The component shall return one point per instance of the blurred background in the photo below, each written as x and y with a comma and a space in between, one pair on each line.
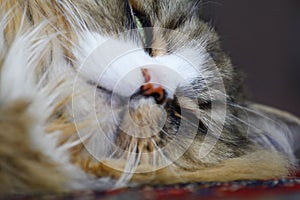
263, 40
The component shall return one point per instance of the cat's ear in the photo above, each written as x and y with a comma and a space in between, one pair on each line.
281, 123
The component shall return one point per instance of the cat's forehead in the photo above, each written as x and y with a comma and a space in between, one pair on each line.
115, 15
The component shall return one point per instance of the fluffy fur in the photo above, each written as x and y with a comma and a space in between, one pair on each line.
73, 117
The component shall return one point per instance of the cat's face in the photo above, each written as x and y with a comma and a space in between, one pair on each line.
136, 90
156, 92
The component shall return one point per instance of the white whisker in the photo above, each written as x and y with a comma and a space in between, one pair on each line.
131, 165
82, 139
252, 111
166, 159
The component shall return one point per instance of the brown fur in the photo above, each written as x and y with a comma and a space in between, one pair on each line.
22, 167
242, 168
25, 169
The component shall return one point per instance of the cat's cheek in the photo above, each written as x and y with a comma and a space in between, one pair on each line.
112, 64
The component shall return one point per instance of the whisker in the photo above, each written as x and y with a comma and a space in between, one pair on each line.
113, 153
166, 159
273, 134
69, 145
165, 132
131, 165
154, 163
252, 111
244, 122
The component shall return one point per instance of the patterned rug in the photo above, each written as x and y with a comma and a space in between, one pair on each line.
270, 189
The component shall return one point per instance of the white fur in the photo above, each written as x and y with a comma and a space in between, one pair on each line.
18, 81
116, 65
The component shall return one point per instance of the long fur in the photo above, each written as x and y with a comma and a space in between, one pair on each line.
71, 116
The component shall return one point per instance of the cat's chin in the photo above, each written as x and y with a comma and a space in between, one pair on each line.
143, 118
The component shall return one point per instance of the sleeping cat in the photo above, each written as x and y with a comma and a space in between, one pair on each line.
104, 94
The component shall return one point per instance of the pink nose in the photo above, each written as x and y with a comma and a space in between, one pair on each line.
154, 90
146, 75
151, 89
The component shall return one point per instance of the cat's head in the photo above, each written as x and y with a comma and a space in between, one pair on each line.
157, 84
141, 88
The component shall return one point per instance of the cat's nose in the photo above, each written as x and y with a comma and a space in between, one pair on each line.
154, 90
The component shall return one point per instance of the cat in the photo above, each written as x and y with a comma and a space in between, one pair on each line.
101, 94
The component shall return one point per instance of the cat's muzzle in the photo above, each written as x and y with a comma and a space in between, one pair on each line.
154, 90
